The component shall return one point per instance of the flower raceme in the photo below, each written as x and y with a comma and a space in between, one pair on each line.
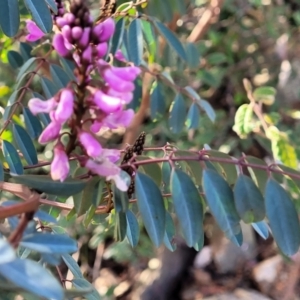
87, 109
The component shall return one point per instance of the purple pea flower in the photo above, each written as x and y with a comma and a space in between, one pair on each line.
37, 105
108, 28
116, 82
50, 133
59, 45
35, 33
107, 103
60, 165
90, 144
64, 108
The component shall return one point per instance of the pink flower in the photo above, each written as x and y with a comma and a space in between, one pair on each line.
83, 42
107, 103
37, 105
101, 49
118, 119
76, 32
126, 97
59, 45
120, 56
126, 73
108, 28
50, 133
112, 154
65, 106
35, 33
103, 167
91, 145
60, 165
87, 54
116, 82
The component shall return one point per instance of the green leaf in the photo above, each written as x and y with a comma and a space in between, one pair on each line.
262, 229
228, 168
1, 172
120, 226
40, 14
207, 109
283, 218
171, 39
69, 67
25, 50
151, 207
188, 206
133, 229
25, 144
75, 293
177, 114
220, 200
9, 17
166, 174
83, 283
260, 177
12, 158
84, 200
49, 243
15, 59
243, 120
249, 201
135, 39
52, 4
117, 38
32, 123
150, 40
194, 166
28, 64
59, 76
216, 58
169, 233
24, 273
49, 88
7, 252
72, 265
153, 170
193, 55
199, 245
192, 120
157, 102
120, 199
192, 93
45, 184
265, 94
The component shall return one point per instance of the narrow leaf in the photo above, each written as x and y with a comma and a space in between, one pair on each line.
283, 218
171, 39
32, 277
220, 200
59, 76
262, 229
12, 157
25, 144
47, 185
249, 201
49, 243
40, 13
135, 39
188, 206
32, 123
9, 17
169, 233
151, 207
72, 265
177, 114
15, 59
117, 38
193, 116
133, 229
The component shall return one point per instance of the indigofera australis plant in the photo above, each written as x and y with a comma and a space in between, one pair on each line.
90, 95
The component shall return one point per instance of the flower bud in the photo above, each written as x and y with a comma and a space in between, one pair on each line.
90, 144
76, 32
106, 103
67, 33
60, 21
50, 133
85, 38
37, 105
108, 30
59, 45
120, 56
87, 54
64, 108
70, 18
101, 49
60, 165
